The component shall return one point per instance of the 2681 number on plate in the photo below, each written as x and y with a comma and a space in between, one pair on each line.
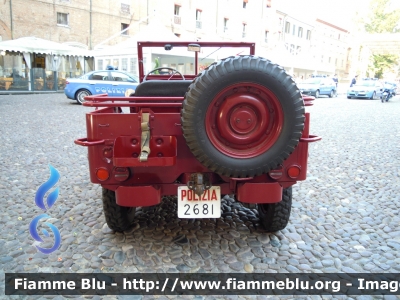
192, 206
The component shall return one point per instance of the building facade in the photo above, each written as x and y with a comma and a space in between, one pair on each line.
302, 45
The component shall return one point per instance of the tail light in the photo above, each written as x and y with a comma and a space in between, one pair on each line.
121, 174
293, 171
102, 174
276, 173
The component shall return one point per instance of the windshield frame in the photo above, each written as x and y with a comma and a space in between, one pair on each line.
142, 45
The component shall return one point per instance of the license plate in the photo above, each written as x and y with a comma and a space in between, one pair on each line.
192, 206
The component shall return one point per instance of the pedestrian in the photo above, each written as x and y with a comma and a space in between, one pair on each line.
354, 81
335, 79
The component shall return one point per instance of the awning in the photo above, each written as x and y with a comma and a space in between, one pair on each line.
37, 45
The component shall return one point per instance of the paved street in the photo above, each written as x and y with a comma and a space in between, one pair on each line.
345, 216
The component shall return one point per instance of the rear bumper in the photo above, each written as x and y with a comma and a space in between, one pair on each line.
359, 95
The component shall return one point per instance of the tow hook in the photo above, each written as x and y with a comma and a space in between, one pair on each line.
145, 138
199, 183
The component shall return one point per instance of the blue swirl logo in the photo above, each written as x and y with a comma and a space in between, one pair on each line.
51, 199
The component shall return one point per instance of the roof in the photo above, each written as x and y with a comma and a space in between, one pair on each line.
38, 45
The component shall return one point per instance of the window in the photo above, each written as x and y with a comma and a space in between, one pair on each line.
269, 3
322, 58
266, 36
300, 32
176, 10
287, 27
226, 22
198, 15
117, 76
244, 3
62, 19
178, 34
294, 30
133, 65
329, 60
99, 76
308, 37
124, 28
100, 64
292, 49
244, 29
198, 18
125, 8
124, 64
177, 18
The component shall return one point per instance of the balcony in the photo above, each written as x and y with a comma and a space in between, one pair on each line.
198, 24
177, 20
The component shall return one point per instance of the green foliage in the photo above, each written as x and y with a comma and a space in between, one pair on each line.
382, 18
383, 62
157, 62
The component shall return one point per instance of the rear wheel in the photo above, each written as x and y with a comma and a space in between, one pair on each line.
331, 94
348, 97
317, 94
243, 116
275, 216
118, 218
81, 94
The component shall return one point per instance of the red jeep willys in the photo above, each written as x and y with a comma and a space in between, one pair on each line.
237, 127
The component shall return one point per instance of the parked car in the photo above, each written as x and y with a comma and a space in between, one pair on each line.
317, 86
366, 88
391, 86
111, 82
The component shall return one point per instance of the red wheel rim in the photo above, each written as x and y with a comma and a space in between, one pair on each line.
244, 120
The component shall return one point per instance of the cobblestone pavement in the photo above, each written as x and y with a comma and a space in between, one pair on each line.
345, 216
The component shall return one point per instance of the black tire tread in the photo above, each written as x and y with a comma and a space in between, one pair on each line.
276, 216
215, 72
118, 218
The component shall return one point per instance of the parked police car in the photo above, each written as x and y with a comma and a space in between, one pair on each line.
111, 82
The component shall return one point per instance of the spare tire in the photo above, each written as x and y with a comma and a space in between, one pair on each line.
242, 116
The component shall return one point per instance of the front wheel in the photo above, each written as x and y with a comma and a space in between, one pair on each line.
331, 94
118, 218
317, 94
275, 216
81, 94
373, 96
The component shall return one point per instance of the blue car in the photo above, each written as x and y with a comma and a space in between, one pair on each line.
317, 86
366, 88
111, 82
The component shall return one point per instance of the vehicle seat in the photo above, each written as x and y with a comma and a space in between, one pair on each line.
163, 88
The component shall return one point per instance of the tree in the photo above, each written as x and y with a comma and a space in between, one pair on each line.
382, 63
382, 18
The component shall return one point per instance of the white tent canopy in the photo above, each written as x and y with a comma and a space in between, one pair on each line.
37, 45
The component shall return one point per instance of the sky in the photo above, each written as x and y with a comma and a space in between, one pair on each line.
338, 12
